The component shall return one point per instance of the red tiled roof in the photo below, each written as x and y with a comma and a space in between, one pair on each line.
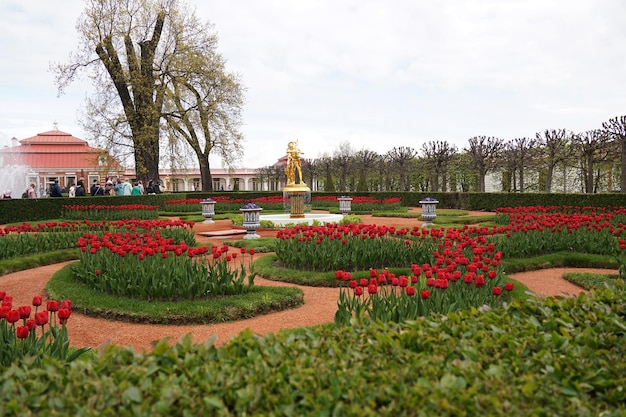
53, 149
53, 136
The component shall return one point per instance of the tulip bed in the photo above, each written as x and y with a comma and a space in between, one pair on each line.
353, 247
359, 204
26, 239
109, 212
151, 267
23, 332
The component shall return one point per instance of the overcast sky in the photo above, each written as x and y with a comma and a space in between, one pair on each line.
375, 73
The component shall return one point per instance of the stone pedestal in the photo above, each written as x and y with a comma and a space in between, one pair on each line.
251, 222
296, 193
345, 205
429, 210
208, 210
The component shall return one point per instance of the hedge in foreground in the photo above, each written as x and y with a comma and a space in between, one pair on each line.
556, 357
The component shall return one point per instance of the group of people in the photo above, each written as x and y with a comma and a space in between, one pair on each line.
113, 186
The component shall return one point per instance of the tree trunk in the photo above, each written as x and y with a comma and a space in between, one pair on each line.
549, 178
205, 173
622, 181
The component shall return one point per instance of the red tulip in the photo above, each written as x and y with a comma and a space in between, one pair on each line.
496, 291
22, 332
41, 318
37, 300
509, 286
30, 324
4, 310
358, 291
24, 311
410, 291
243, 250
425, 294
13, 316
67, 304
52, 305
372, 289
64, 314
251, 251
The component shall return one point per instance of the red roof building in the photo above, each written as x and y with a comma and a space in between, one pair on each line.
55, 155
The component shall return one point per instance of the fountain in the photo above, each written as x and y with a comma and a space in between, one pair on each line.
14, 178
297, 194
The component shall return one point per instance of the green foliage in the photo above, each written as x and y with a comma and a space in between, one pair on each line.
541, 357
590, 281
559, 260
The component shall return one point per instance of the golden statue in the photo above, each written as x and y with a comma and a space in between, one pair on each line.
293, 164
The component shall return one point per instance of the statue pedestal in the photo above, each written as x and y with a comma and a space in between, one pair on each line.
296, 193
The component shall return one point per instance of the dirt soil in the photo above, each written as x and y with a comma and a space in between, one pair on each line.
319, 306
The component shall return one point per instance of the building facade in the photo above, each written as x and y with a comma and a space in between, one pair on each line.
56, 155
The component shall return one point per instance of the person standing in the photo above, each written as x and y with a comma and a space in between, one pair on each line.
136, 190
119, 187
127, 189
30, 191
96, 189
55, 189
80, 188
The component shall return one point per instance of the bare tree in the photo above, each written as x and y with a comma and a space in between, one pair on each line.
343, 161
134, 48
523, 149
438, 155
592, 147
365, 160
557, 144
205, 104
485, 152
617, 128
399, 158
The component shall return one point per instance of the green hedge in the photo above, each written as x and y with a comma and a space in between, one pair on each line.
550, 357
18, 210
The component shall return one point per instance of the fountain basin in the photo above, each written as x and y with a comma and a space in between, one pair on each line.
309, 218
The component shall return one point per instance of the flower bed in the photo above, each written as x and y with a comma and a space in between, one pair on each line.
150, 267
352, 247
109, 212
26, 239
26, 332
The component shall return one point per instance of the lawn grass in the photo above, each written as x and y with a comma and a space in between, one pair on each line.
259, 300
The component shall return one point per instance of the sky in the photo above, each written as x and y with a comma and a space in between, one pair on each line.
375, 74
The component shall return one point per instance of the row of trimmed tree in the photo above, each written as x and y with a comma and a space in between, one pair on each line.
588, 162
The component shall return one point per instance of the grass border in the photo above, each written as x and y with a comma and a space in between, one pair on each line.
260, 300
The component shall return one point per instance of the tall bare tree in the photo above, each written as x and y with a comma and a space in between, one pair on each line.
134, 48
438, 155
556, 143
204, 106
399, 157
617, 128
523, 149
365, 160
592, 147
485, 152
343, 158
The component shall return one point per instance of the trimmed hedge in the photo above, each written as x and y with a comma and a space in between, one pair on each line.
556, 357
18, 210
